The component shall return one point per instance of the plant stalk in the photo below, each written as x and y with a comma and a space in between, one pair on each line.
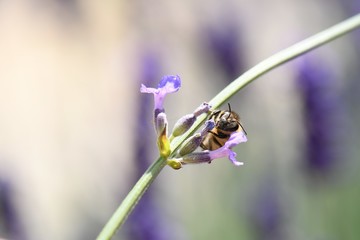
130, 201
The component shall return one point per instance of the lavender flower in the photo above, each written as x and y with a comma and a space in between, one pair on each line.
8, 216
147, 220
322, 116
266, 211
224, 44
207, 156
168, 84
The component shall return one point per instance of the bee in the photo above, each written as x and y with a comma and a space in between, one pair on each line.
226, 122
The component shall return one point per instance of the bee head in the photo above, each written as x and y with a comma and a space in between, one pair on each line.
228, 122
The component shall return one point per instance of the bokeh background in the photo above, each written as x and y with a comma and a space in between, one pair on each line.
75, 133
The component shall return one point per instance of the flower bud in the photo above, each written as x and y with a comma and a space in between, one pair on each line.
190, 144
161, 129
203, 108
185, 123
195, 158
157, 112
174, 163
194, 141
161, 123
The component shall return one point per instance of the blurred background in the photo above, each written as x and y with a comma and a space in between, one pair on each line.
75, 132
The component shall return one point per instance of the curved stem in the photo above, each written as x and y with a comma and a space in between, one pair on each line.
130, 201
272, 62
258, 70
286, 55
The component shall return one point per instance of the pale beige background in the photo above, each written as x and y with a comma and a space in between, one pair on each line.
69, 88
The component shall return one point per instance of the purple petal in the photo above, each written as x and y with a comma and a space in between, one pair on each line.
225, 151
209, 125
145, 89
232, 158
235, 139
170, 84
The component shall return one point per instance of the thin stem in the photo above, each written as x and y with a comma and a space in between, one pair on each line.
286, 55
130, 201
272, 62
258, 70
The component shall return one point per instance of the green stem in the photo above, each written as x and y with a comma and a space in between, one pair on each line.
128, 204
270, 63
286, 55
130, 201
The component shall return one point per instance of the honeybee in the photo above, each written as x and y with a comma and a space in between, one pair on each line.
226, 122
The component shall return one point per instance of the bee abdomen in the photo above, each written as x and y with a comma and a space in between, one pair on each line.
213, 141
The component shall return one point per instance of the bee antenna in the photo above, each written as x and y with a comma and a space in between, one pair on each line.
229, 111
229, 107
242, 128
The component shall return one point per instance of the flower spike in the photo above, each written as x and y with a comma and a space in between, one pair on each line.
194, 141
168, 84
186, 154
185, 123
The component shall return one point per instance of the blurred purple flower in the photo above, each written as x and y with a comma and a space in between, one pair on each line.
150, 68
266, 215
147, 221
224, 44
8, 217
323, 115
352, 7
